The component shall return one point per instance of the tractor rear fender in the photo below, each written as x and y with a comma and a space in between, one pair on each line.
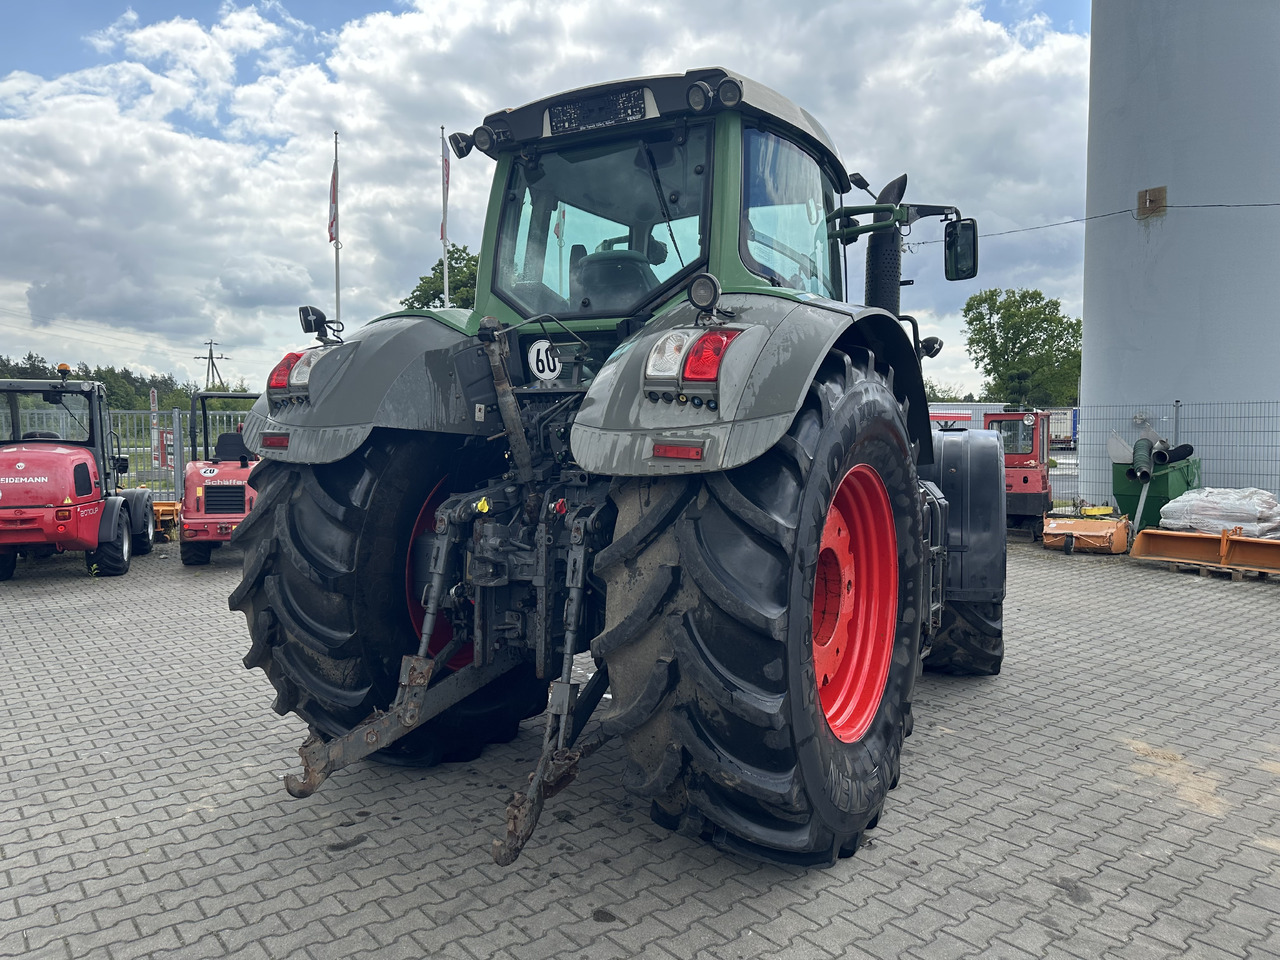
970, 472
111, 508
764, 376
406, 371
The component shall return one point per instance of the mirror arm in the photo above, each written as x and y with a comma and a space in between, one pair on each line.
917, 210
862, 210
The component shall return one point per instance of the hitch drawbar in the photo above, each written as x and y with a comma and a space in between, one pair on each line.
321, 758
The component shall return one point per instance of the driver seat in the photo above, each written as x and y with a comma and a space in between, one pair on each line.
614, 279
231, 446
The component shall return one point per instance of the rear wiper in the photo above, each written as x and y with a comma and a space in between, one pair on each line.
662, 199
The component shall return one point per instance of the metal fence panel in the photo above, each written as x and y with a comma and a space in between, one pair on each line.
1237, 444
157, 450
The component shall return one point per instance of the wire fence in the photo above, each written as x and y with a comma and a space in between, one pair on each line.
1234, 445
158, 445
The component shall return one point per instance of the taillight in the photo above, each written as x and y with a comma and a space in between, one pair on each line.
664, 358
702, 362
678, 451
300, 375
279, 378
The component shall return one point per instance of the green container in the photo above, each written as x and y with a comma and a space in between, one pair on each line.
1167, 483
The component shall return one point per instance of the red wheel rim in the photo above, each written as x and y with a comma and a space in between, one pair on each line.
855, 603
444, 629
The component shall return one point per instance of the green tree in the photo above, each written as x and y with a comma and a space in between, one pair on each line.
1027, 349
31, 367
121, 390
429, 293
935, 391
240, 386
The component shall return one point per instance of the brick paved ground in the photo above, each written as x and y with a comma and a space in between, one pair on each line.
1114, 793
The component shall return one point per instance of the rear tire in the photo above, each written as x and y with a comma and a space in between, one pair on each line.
111, 559
8, 563
143, 541
326, 549
194, 553
970, 642
710, 629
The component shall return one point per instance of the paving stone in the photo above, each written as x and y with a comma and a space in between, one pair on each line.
1110, 794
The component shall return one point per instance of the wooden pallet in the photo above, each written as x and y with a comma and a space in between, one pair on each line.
1205, 570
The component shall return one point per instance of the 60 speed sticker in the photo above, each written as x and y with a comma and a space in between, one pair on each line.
543, 361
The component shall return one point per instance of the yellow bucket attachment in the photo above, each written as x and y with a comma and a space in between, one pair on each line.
166, 512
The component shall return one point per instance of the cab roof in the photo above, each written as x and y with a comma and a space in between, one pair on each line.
645, 98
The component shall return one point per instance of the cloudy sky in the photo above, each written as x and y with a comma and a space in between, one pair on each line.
165, 176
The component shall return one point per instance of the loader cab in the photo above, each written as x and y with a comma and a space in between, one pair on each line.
60, 414
1023, 435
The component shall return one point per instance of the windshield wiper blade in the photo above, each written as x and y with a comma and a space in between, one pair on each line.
662, 199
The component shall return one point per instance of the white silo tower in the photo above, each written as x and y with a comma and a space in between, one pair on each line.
1180, 285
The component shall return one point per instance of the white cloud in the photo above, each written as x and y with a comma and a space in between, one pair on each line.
180, 192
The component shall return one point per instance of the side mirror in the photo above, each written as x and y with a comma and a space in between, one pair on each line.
960, 247
120, 464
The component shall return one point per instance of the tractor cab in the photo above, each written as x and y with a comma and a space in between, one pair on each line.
1024, 436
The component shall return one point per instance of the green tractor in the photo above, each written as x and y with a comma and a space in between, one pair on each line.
662, 438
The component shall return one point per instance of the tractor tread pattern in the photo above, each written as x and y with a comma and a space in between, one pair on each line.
638, 618
655, 521
324, 595
662, 680
970, 642
719, 755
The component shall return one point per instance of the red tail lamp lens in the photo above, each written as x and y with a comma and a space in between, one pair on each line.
676, 451
279, 378
703, 359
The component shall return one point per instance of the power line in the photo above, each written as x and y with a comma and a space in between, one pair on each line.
1103, 216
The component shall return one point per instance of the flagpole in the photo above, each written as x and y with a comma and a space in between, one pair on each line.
333, 234
444, 216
